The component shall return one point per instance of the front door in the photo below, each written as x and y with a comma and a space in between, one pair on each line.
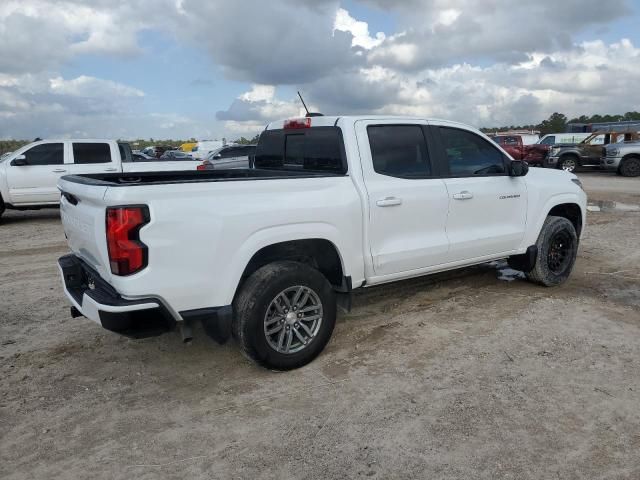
487, 207
36, 182
407, 204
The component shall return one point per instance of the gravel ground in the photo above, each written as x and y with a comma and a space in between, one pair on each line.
461, 375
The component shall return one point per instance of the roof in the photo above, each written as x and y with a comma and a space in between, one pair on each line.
331, 120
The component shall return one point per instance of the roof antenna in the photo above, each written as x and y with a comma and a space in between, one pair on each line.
309, 114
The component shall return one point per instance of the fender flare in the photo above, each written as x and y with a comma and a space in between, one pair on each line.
287, 233
560, 199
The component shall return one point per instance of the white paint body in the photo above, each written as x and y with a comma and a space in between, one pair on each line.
202, 235
36, 185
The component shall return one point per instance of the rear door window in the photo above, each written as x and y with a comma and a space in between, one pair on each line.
89, 153
45, 154
468, 154
399, 151
317, 149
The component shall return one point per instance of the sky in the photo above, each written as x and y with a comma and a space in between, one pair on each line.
210, 69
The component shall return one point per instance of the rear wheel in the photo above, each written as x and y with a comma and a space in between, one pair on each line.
284, 315
630, 167
568, 163
557, 249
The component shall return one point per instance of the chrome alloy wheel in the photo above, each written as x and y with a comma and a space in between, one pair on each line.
293, 319
569, 165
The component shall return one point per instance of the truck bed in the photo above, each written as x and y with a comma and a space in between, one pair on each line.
164, 178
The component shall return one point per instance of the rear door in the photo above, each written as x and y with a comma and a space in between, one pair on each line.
487, 207
407, 202
35, 183
94, 157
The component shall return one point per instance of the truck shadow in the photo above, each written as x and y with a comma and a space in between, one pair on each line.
21, 216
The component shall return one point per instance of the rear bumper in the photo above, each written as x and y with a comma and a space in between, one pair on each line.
100, 302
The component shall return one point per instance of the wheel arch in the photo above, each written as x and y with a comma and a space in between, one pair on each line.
317, 245
319, 253
570, 211
564, 205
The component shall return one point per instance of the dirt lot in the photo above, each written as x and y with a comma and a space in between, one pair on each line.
460, 376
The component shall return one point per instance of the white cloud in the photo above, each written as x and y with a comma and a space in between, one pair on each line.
485, 63
84, 86
259, 93
360, 30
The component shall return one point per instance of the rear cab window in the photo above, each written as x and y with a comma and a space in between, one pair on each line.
315, 149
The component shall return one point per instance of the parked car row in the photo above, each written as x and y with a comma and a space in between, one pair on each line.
614, 151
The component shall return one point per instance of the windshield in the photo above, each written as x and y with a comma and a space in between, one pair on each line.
593, 139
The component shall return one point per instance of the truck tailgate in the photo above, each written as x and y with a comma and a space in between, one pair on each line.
82, 210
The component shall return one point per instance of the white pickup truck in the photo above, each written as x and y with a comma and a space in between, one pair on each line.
333, 204
29, 176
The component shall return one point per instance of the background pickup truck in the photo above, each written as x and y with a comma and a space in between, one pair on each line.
333, 204
29, 176
587, 153
534, 154
623, 158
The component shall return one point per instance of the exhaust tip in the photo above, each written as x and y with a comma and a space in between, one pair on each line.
186, 332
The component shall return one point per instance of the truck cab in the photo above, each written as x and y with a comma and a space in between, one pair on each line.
29, 176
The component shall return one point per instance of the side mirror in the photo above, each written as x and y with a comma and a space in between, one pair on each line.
20, 161
217, 156
518, 168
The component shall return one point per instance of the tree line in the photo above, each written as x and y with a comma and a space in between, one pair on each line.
557, 122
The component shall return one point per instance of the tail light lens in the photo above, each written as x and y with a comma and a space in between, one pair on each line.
204, 165
127, 254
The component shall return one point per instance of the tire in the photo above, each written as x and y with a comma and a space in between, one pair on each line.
557, 249
261, 307
568, 163
2, 206
630, 167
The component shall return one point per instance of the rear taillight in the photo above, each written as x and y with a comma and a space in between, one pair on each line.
204, 165
295, 123
127, 254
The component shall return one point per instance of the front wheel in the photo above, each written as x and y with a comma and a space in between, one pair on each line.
557, 249
284, 315
568, 163
630, 167
2, 206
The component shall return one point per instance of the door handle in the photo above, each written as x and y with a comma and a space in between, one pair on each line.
389, 202
59, 170
464, 195
110, 169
